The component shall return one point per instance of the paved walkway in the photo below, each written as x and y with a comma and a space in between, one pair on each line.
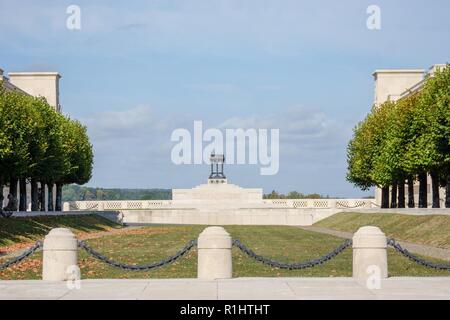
233, 289
421, 249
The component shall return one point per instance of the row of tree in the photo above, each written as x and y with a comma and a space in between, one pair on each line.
404, 141
40, 146
294, 195
75, 192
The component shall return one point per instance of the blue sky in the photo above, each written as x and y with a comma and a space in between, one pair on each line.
139, 69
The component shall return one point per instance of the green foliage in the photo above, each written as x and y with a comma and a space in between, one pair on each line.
294, 195
404, 138
78, 153
19, 123
429, 149
40, 143
76, 193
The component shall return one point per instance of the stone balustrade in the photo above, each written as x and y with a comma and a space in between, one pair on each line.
115, 205
319, 203
265, 203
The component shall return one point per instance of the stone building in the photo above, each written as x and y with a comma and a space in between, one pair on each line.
45, 84
394, 84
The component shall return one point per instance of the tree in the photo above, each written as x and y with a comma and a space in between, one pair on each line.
37, 148
405, 139
54, 162
429, 149
19, 124
366, 146
78, 154
40, 144
389, 165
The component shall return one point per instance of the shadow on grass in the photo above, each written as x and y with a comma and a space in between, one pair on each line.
20, 229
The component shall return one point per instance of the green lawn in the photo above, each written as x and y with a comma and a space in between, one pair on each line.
431, 230
28, 229
149, 244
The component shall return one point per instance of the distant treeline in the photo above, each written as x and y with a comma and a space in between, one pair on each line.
77, 193
294, 195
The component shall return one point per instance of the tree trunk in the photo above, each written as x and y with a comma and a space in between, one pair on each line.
23, 194
411, 203
58, 205
34, 195
435, 190
447, 193
401, 193
2, 182
394, 195
385, 197
42, 196
13, 187
423, 190
50, 196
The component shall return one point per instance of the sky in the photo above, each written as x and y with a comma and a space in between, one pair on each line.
137, 70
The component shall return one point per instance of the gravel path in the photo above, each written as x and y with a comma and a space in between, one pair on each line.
421, 249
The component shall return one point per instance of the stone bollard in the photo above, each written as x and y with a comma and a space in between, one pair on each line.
60, 252
369, 254
214, 254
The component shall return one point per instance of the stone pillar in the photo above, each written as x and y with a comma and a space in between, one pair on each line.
66, 206
369, 253
60, 252
214, 254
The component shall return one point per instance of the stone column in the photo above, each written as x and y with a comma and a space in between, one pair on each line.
369, 253
66, 206
60, 252
214, 254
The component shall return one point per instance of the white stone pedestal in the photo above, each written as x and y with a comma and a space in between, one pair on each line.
214, 254
369, 254
60, 254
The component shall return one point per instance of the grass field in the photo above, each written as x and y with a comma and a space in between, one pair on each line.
27, 229
431, 230
152, 243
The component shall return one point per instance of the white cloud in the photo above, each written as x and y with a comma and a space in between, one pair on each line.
135, 123
300, 130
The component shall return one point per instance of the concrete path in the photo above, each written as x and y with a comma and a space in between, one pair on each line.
233, 289
428, 251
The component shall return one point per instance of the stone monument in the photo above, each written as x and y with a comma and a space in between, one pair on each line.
217, 194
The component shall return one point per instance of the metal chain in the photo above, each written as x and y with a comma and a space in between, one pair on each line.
281, 265
293, 266
22, 256
149, 266
391, 242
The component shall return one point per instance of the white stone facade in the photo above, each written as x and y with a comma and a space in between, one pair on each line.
217, 194
220, 203
44, 84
